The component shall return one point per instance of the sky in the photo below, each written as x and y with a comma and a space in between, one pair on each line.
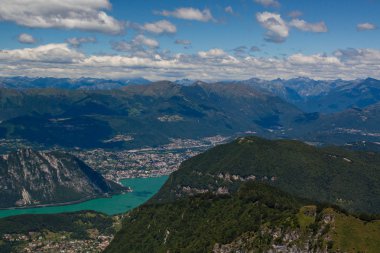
195, 39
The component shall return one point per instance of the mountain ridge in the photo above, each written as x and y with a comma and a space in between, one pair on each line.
34, 178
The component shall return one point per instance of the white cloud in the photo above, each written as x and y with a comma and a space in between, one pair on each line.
308, 27
61, 60
152, 43
277, 29
159, 27
366, 26
65, 14
269, 3
188, 14
77, 42
229, 10
26, 38
215, 52
138, 46
313, 59
50, 53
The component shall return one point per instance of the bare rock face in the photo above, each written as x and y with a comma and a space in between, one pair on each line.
30, 178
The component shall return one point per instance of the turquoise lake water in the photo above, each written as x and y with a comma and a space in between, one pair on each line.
143, 189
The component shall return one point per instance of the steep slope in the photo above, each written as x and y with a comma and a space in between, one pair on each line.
345, 178
257, 218
29, 178
239, 197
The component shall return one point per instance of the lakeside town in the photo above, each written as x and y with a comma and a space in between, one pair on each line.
146, 162
116, 164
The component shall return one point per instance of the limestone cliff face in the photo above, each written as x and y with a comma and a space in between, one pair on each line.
30, 178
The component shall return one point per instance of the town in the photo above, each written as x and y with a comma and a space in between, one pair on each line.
145, 162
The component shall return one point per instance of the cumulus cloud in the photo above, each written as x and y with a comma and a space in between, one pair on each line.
26, 38
159, 27
78, 41
308, 27
50, 53
138, 46
269, 3
301, 59
215, 52
61, 60
141, 39
64, 14
366, 27
277, 29
229, 10
188, 14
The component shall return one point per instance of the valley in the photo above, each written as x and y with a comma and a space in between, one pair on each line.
193, 146
172, 126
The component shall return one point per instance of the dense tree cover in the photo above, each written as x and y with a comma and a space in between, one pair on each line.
345, 178
253, 219
196, 224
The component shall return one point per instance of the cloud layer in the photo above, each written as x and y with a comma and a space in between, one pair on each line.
61, 60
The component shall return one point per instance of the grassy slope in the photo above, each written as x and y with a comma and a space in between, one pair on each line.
351, 234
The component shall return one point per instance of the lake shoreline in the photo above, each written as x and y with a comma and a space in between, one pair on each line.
143, 189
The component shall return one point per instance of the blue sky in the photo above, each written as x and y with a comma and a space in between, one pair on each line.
121, 39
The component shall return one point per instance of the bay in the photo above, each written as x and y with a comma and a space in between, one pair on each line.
143, 189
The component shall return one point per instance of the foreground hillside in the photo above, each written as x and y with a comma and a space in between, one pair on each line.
256, 195
344, 178
257, 218
29, 178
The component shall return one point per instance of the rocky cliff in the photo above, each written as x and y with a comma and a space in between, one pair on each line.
29, 178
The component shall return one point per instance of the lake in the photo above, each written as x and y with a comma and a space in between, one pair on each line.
143, 189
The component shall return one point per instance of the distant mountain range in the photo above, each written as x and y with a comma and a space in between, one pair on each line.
150, 114
256, 195
325, 112
307, 94
322, 96
67, 83
30, 178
